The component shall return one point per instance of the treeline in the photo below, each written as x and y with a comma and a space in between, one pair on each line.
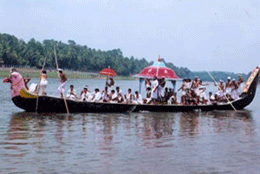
71, 56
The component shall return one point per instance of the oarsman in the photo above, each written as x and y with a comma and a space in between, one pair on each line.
72, 93
97, 96
161, 89
138, 98
234, 92
195, 89
228, 86
220, 92
154, 86
119, 94
202, 94
195, 85
62, 79
183, 88
240, 84
129, 96
43, 83
85, 94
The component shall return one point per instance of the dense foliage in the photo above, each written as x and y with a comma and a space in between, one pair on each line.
16, 52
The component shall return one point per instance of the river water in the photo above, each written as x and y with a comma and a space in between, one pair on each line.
146, 142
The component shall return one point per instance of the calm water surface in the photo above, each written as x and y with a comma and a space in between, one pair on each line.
183, 142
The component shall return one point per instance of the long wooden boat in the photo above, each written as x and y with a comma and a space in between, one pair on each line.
27, 101
245, 99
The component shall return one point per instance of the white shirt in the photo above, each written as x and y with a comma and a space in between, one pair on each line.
97, 97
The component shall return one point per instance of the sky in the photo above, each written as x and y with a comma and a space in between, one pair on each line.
217, 35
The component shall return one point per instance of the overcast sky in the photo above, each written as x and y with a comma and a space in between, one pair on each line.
198, 34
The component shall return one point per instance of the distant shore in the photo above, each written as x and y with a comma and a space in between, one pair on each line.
34, 73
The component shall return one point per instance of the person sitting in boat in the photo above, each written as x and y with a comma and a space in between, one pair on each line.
97, 96
16, 80
138, 98
119, 94
72, 93
154, 86
211, 99
234, 91
85, 94
43, 83
129, 96
161, 86
148, 99
173, 99
113, 97
62, 79
147, 84
105, 95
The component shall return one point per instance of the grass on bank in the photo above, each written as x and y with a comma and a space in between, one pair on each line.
34, 73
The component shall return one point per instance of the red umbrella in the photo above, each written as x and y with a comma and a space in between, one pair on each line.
158, 69
108, 72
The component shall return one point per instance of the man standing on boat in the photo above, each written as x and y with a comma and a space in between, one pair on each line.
228, 86
63, 80
154, 86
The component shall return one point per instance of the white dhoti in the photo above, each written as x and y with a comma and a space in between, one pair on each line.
220, 93
155, 94
32, 87
61, 89
43, 86
197, 91
234, 94
228, 91
161, 91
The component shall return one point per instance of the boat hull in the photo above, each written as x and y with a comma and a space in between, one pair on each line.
53, 104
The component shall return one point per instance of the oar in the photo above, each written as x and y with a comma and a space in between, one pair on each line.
224, 94
56, 60
37, 100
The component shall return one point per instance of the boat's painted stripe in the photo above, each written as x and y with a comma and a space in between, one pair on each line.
25, 94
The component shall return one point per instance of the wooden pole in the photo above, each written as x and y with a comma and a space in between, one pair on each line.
224, 95
57, 66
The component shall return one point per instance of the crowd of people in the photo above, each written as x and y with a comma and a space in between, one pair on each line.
193, 91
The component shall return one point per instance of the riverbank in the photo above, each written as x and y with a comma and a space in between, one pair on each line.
34, 73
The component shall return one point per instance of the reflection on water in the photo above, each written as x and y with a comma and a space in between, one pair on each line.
105, 140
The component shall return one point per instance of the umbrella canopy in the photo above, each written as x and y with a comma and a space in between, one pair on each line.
158, 69
108, 72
